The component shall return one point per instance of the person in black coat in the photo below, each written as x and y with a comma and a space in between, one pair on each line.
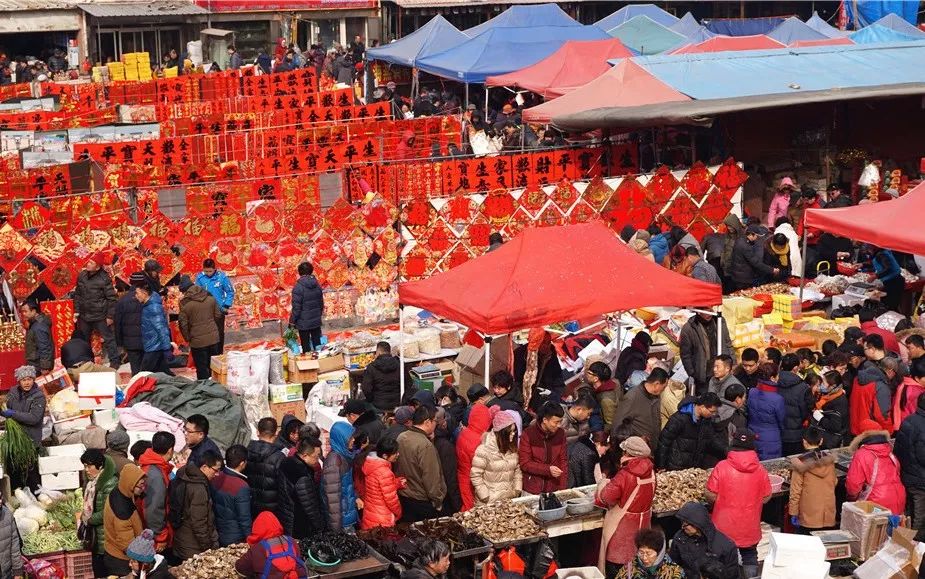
910, 440
634, 357
364, 419
799, 404
307, 308
127, 326
76, 351
95, 304
381, 383
699, 540
300, 509
747, 267
264, 456
832, 414
777, 255
689, 438
446, 450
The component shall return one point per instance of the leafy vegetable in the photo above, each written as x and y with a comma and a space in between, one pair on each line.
48, 542
16, 448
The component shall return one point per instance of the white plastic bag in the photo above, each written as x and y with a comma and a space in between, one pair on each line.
239, 370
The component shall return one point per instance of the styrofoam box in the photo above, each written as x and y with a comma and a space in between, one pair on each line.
56, 464
69, 424
136, 435
106, 419
795, 550
67, 450
97, 390
64, 481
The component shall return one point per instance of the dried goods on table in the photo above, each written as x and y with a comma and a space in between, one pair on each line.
401, 543
500, 522
347, 547
212, 564
673, 488
768, 288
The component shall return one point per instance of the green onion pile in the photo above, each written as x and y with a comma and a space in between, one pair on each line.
17, 450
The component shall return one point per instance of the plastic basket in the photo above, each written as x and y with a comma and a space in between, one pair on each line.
848, 269
79, 565
58, 561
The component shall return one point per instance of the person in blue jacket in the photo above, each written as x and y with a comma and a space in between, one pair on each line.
338, 491
767, 412
307, 308
888, 272
217, 283
232, 498
155, 335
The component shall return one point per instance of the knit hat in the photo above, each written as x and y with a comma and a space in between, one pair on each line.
753, 230
141, 548
117, 440
403, 414
24, 372
475, 392
500, 419
185, 283
635, 446
868, 424
743, 439
138, 279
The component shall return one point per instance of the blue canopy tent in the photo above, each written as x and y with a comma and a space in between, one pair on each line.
646, 36
689, 28
794, 30
819, 25
872, 11
435, 36
526, 16
743, 26
894, 22
631, 11
875, 33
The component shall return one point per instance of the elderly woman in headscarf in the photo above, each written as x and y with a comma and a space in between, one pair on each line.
628, 499
271, 553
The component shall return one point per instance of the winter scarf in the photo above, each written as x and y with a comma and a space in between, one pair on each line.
826, 398
782, 252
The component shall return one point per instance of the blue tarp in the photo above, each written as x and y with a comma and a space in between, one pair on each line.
767, 72
689, 28
743, 26
526, 16
894, 22
792, 30
434, 37
878, 34
631, 11
870, 11
646, 36
503, 50
819, 25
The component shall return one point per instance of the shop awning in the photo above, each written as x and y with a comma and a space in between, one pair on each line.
793, 30
646, 36
631, 11
552, 274
725, 43
895, 225
36, 17
568, 68
216, 32
142, 9
625, 85
432, 38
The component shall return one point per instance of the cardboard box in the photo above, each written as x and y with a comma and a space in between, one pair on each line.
55, 382
899, 558
63, 481
106, 419
331, 363
868, 522
303, 369
97, 390
281, 409
219, 368
285, 393
471, 358
57, 464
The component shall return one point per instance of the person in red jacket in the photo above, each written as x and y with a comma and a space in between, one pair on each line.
738, 487
271, 554
466, 444
628, 499
542, 453
381, 507
873, 474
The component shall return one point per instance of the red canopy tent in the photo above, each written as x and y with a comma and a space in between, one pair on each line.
566, 69
895, 224
722, 43
551, 274
625, 85
840, 41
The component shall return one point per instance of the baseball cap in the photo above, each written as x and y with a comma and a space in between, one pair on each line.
475, 392
743, 439
353, 406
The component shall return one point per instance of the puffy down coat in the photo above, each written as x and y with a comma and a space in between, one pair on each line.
495, 476
684, 443
381, 507
740, 484
337, 480
263, 459
812, 489
874, 472
798, 405
467, 443
766, 413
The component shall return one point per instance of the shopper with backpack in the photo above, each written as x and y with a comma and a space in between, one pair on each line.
191, 512
272, 555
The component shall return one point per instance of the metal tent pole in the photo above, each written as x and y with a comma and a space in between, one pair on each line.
401, 352
803, 273
487, 359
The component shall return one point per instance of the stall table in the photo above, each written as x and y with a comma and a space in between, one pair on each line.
372, 564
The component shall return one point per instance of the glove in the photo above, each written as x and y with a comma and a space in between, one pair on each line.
7, 413
795, 521
817, 415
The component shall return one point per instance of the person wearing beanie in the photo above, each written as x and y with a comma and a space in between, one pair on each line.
271, 553
748, 267
95, 305
199, 317
628, 499
143, 559
40, 347
495, 472
151, 276
117, 442
874, 473
155, 334
25, 403
127, 323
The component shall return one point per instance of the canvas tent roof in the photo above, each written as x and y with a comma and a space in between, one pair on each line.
794, 30
724, 43
819, 25
574, 64
646, 36
743, 26
894, 22
625, 85
435, 36
503, 50
631, 11
551, 274
871, 12
526, 16
875, 33
689, 27
892, 224
841, 41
